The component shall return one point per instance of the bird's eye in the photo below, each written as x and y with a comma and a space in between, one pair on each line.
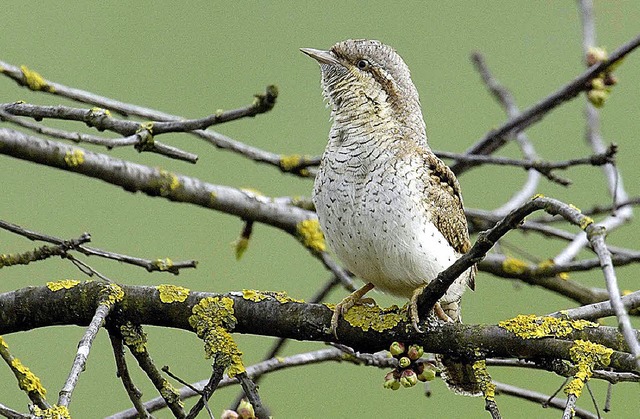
363, 64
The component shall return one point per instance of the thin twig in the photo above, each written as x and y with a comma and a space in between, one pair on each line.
84, 347
211, 386
534, 396
27, 380
596, 142
9, 413
251, 391
63, 246
123, 373
141, 139
498, 137
596, 238
544, 167
506, 99
599, 310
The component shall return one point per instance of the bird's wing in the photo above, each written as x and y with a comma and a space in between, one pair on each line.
445, 204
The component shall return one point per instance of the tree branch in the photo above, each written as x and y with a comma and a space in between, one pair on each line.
498, 137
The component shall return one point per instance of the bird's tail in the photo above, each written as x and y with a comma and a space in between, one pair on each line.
459, 376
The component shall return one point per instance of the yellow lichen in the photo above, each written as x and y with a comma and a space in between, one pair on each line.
311, 235
253, 295
35, 81
484, 379
134, 337
586, 356
163, 264
3, 343
280, 296
62, 284
575, 208
291, 161
211, 318
374, 317
97, 112
74, 158
534, 327
167, 183
54, 412
585, 222
111, 294
170, 393
536, 196
27, 380
514, 266
547, 265
212, 197
171, 293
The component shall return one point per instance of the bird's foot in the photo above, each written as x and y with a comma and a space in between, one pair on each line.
349, 301
413, 310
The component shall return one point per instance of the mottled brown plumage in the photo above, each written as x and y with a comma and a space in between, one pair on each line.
389, 208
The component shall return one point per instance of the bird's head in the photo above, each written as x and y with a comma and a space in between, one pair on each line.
361, 75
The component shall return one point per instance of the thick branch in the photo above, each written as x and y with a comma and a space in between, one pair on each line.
135, 177
35, 307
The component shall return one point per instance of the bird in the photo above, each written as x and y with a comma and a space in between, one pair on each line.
388, 207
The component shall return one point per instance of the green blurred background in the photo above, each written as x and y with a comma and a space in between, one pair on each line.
197, 57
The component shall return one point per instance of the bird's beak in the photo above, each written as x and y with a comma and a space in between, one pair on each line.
323, 57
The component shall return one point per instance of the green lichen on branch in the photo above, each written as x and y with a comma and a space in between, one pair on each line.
62, 284
134, 337
264, 102
74, 158
111, 294
27, 380
163, 265
34, 81
374, 317
484, 379
292, 163
534, 327
514, 266
167, 183
172, 293
54, 412
586, 356
212, 318
170, 394
310, 235
280, 296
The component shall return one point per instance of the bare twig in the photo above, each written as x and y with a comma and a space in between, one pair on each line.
599, 310
534, 396
211, 386
498, 137
135, 339
596, 238
506, 99
596, 142
251, 391
544, 167
123, 372
214, 138
63, 246
9, 413
142, 140
84, 346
